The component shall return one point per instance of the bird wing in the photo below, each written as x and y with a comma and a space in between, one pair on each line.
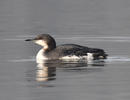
73, 49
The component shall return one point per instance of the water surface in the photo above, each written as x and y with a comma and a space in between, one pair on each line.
103, 24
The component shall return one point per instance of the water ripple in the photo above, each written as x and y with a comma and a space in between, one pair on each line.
118, 59
109, 59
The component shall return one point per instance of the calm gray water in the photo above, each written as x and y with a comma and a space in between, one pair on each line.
94, 23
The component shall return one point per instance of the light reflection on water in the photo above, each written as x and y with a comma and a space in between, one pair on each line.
110, 59
45, 72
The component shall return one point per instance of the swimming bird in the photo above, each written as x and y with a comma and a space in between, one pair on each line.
65, 51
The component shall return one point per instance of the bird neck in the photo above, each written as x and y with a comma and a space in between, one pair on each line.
49, 48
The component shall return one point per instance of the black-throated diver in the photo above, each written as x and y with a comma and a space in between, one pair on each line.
66, 51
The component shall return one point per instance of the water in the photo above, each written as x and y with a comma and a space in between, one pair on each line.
103, 24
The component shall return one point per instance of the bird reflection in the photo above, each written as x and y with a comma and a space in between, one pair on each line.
47, 71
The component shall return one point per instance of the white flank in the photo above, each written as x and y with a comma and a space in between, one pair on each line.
89, 57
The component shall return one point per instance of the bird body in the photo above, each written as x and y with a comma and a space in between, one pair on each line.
66, 51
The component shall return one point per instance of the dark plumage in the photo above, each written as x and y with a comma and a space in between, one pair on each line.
77, 50
52, 52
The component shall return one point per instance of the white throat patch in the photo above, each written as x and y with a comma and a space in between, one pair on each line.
41, 43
